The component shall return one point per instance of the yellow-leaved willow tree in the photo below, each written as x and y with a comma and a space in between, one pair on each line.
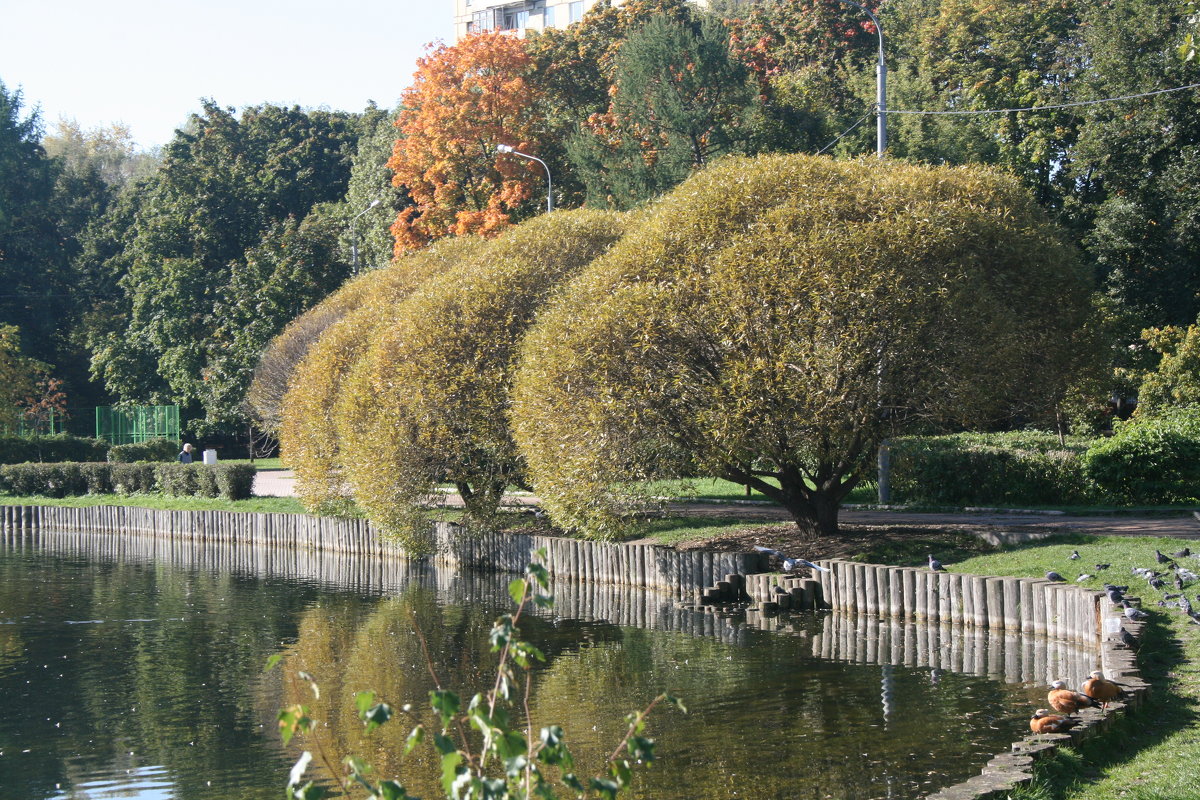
773, 319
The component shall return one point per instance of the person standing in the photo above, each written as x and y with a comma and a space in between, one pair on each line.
185, 455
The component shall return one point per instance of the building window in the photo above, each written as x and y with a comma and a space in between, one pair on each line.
548, 17
515, 19
575, 11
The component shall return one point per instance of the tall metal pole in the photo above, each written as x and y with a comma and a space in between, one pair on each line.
880, 86
506, 148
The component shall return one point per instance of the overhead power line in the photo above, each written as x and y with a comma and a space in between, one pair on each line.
1045, 108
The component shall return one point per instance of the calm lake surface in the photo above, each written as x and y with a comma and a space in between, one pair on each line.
130, 668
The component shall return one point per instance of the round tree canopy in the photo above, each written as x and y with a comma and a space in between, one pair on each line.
773, 318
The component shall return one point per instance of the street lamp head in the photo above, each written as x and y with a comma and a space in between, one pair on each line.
374, 203
504, 148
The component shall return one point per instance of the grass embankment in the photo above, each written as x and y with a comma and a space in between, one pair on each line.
1155, 753
272, 505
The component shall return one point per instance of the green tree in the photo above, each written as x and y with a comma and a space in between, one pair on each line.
224, 185
33, 256
679, 100
966, 55
773, 319
1137, 163
1176, 380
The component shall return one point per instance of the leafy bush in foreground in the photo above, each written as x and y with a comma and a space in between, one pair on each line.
229, 481
51, 449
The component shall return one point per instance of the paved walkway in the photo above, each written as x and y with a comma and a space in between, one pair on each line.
281, 483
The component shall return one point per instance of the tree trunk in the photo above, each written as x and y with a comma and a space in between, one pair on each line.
815, 515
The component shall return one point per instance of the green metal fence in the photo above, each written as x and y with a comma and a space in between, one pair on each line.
137, 423
25, 428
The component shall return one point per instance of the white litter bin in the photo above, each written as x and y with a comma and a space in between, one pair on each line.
210, 456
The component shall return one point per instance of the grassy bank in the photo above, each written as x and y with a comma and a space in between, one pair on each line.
1155, 754
275, 505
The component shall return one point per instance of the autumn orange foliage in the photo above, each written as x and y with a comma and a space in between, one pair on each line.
465, 100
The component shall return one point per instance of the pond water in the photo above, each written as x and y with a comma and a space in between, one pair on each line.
133, 668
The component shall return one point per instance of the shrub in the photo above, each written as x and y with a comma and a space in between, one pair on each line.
97, 478
51, 449
429, 400
1019, 468
235, 481
135, 478
1149, 460
308, 439
156, 450
180, 480
64, 479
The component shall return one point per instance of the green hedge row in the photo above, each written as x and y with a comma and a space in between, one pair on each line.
149, 450
1148, 461
70, 479
52, 449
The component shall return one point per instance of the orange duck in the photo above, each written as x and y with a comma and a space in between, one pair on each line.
1068, 701
1043, 721
1105, 691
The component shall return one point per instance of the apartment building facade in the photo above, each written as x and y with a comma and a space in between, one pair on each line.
475, 16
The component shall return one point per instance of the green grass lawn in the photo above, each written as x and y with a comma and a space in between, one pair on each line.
1154, 754
275, 505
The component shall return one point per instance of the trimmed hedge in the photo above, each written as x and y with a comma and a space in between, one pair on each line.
229, 481
1019, 468
150, 450
1150, 460
51, 449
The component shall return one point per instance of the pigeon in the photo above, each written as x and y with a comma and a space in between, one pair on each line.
1134, 614
1184, 553
1099, 688
1102, 567
790, 564
1127, 639
1160, 558
1084, 577
1074, 555
1054, 577
935, 565
1115, 594
1187, 574
1178, 582
1043, 721
1068, 701
1157, 583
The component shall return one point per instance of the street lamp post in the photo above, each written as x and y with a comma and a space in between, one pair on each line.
504, 148
880, 86
354, 235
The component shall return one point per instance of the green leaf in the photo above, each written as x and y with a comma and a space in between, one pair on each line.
451, 770
391, 790
445, 703
621, 772
572, 782
605, 788
309, 791
675, 701
363, 701
272, 661
444, 744
377, 715
414, 738
516, 590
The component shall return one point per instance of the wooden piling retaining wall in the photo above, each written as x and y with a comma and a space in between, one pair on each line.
1026, 605
663, 569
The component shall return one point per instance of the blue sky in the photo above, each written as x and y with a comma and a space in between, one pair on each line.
148, 63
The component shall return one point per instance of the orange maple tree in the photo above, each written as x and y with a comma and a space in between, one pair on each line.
465, 99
